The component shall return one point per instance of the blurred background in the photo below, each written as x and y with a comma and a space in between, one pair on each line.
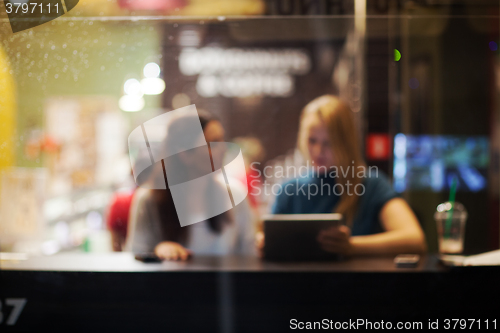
422, 77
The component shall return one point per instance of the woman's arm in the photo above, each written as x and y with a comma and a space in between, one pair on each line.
402, 234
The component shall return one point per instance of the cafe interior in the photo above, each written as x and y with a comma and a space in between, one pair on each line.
420, 78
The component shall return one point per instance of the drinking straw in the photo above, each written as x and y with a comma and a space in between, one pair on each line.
453, 191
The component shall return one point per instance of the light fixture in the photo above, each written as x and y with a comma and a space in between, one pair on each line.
151, 69
152, 86
132, 103
132, 87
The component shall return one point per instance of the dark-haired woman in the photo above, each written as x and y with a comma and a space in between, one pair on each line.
155, 224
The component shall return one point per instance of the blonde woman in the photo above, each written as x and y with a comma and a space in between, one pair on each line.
378, 222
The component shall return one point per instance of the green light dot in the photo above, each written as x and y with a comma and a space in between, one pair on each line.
397, 55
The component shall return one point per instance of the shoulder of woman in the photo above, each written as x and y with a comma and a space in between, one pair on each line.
378, 183
235, 184
142, 194
238, 190
376, 177
141, 198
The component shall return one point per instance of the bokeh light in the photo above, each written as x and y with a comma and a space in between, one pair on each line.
132, 87
152, 86
151, 70
131, 103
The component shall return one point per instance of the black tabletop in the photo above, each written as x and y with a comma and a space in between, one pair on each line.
114, 292
125, 262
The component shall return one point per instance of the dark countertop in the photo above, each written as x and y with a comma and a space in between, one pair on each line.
114, 292
125, 262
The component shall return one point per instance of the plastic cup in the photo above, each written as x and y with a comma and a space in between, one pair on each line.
451, 227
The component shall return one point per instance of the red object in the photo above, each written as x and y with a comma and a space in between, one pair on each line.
119, 209
378, 146
251, 180
159, 5
253, 183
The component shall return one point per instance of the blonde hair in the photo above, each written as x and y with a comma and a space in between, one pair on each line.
344, 142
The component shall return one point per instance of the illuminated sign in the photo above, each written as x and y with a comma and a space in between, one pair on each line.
237, 72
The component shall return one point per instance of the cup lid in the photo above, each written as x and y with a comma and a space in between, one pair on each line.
447, 206
444, 208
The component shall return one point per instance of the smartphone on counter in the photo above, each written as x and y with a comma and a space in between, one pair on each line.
406, 260
147, 257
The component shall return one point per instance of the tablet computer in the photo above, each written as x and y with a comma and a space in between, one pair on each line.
293, 237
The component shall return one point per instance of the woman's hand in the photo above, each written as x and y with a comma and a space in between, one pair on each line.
336, 239
172, 251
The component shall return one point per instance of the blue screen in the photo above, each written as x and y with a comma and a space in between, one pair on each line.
431, 162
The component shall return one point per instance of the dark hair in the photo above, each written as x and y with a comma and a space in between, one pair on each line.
163, 200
